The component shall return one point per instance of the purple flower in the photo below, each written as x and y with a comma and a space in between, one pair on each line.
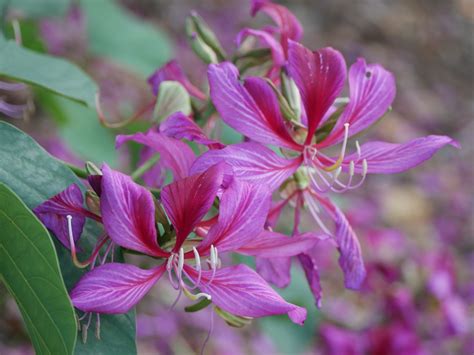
128, 214
252, 109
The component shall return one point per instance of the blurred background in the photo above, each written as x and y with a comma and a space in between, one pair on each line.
416, 229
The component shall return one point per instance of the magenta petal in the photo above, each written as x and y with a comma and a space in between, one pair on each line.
187, 201
252, 110
275, 270
320, 77
267, 39
312, 275
180, 126
372, 90
241, 291
350, 259
288, 24
113, 288
251, 162
174, 154
390, 158
173, 71
53, 214
128, 213
242, 213
272, 245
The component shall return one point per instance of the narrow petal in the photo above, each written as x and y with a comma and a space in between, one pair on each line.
390, 158
350, 253
180, 126
187, 201
174, 154
372, 90
241, 291
53, 214
173, 71
275, 270
252, 110
242, 213
273, 245
267, 39
289, 26
128, 213
320, 77
251, 162
113, 288
312, 275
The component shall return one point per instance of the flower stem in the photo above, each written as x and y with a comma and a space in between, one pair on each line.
142, 169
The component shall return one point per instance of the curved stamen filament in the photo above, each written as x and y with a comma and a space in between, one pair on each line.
343, 151
314, 210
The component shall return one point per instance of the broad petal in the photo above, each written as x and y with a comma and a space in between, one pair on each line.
53, 214
174, 154
267, 39
390, 158
180, 126
312, 275
241, 291
274, 245
320, 77
252, 110
350, 253
128, 213
173, 71
251, 162
187, 201
113, 288
288, 24
242, 213
275, 270
372, 90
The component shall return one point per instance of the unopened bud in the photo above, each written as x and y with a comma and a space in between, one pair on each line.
92, 169
207, 35
200, 48
292, 94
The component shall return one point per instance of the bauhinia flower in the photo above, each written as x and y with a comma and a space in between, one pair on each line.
130, 217
252, 108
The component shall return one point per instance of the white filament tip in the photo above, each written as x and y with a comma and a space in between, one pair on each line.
181, 260
351, 168
358, 148
365, 166
197, 258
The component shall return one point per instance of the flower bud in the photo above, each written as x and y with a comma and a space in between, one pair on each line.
199, 46
93, 202
292, 94
207, 35
92, 169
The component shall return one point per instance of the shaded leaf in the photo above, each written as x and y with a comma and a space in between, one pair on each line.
27, 66
30, 270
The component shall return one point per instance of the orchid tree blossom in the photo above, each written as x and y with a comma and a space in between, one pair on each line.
252, 108
128, 213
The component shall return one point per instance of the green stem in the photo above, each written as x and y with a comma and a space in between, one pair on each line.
142, 169
81, 173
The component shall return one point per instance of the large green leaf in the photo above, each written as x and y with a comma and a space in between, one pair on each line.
116, 34
30, 270
37, 8
54, 74
36, 176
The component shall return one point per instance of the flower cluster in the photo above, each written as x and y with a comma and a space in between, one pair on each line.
297, 131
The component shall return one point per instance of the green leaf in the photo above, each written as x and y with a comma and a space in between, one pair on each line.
54, 74
116, 34
172, 97
36, 176
37, 8
30, 270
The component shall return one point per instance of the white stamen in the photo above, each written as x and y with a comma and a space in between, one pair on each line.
197, 258
351, 168
202, 294
358, 149
180, 262
170, 261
